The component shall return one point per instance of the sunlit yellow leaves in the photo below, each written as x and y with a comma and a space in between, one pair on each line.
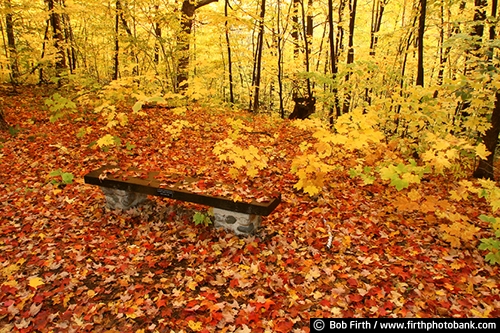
195, 325
458, 232
251, 158
35, 282
7, 271
106, 140
481, 151
414, 195
175, 129
311, 171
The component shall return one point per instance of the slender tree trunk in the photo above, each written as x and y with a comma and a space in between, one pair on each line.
485, 168
229, 59
157, 31
421, 30
295, 28
11, 42
116, 73
44, 46
444, 53
55, 21
183, 40
70, 39
280, 62
350, 52
335, 108
308, 35
305, 106
377, 13
258, 58
296, 46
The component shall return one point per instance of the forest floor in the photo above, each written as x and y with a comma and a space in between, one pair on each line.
68, 264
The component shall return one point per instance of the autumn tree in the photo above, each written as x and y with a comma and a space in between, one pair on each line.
58, 38
485, 168
256, 74
11, 42
183, 40
229, 58
420, 40
350, 50
305, 103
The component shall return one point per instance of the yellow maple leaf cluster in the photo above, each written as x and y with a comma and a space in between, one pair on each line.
458, 232
251, 159
311, 171
175, 129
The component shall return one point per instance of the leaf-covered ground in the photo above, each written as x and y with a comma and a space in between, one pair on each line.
68, 264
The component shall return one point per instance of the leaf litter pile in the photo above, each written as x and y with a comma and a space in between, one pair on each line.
68, 264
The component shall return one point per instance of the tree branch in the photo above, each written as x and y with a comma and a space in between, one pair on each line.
202, 3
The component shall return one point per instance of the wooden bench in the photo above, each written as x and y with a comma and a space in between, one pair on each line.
126, 189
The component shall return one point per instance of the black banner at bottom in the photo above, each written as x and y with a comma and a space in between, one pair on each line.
414, 324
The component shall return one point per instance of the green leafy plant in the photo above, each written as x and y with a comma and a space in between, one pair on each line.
401, 175
491, 244
64, 178
59, 106
201, 218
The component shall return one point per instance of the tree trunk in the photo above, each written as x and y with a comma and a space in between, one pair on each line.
116, 73
183, 40
490, 139
157, 30
55, 21
258, 58
444, 54
335, 108
305, 106
11, 42
377, 13
229, 59
350, 52
485, 168
70, 40
280, 62
420, 38
44, 46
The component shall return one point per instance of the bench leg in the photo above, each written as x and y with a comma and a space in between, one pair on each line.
239, 223
120, 199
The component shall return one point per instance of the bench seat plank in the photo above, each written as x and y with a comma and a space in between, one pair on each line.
150, 185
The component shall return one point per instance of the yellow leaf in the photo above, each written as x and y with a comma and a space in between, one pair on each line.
10, 269
234, 173
195, 326
318, 294
106, 140
311, 190
414, 195
10, 283
35, 282
237, 198
481, 151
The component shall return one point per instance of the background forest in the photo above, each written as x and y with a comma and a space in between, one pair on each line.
377, 121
